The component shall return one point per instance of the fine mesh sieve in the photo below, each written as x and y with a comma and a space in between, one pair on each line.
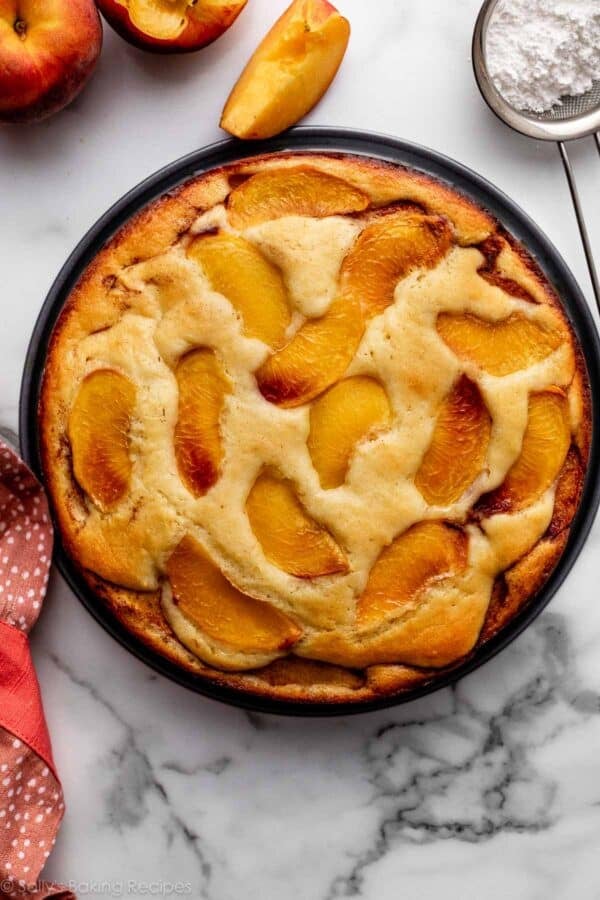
575, 117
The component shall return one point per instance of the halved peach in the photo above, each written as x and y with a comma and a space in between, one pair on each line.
170, 26
98, 430
426, 552
253, 285
197, 440
289, 537
387, 251
458, 448
346, 414
498, 347
300, 191
545, 446
289, 71
210, 603
318, 354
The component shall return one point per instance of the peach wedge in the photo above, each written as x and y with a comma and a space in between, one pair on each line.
545, 446
289, 537
426, 552
298, 191
315, 358
98, 432
387, 251
202, 391
458, 448
210, 603
289, 71
253, 285
340, 419
498, 347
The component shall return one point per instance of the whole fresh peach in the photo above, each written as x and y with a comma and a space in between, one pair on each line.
48, 50
170, 26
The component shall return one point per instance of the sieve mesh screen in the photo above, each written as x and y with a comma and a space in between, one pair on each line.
570, 106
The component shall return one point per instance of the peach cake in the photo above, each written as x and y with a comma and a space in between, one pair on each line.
314, 427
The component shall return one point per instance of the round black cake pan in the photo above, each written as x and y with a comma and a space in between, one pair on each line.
328, 140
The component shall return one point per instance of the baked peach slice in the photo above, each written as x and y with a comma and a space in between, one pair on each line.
98, 430
289, 71
170, 26
214, 606
544, 450
203, 388
458, 448
289, 537
348, 413
322, 349
499, 347
315, 358
425, 553
253, 285
387, 251
298, 191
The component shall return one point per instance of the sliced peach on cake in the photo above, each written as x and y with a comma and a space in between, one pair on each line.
322, 349
289, 537
458, 448
98, 430
208, 602
202, 390
288, 72
253, 285
315, 358
544, 449
498, 347
387, 251
170, 26
299, 191
425, 553
340, 419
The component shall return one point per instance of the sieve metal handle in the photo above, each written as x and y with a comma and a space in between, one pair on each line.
585, 238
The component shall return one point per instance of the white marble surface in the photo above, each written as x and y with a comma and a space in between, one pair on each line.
492, 788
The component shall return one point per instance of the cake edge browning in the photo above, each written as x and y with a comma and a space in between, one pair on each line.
293, 679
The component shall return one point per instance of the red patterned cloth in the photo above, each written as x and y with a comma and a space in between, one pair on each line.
31, 800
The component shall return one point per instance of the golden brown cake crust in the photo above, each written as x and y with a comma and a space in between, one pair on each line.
130, 282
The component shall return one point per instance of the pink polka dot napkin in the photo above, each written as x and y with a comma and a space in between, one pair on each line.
31, 801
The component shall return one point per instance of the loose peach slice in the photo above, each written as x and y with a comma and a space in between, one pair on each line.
347, 413
458, 448
289, 537
253, 285
289, 71
389, 250
210, 603
300, 191
426, 552
98, 431
170, 26
202, 391
318, 354
545, 446
498, 347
